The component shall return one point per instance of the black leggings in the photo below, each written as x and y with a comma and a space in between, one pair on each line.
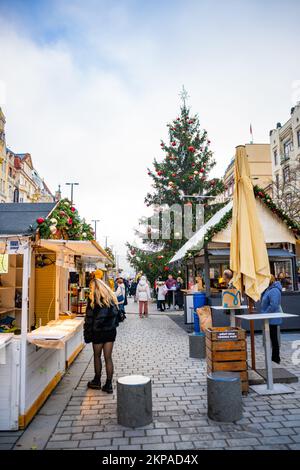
275, 343
107, 351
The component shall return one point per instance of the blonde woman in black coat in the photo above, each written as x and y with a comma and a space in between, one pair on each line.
101, 321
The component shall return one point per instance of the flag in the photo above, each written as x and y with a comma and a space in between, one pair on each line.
251, 133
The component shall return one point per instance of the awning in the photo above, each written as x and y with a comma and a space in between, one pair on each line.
274, 229
197, 240
75, 247
272, 253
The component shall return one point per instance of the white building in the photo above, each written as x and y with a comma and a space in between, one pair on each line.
285, 147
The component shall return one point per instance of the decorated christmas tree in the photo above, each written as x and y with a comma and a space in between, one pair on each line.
180, 176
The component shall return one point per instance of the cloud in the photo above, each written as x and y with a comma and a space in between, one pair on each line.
90, 87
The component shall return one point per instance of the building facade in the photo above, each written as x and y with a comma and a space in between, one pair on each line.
260, 168
19, 180
285, 147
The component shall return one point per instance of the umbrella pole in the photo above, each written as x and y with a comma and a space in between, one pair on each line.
253, 362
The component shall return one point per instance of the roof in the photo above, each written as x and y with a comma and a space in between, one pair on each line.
198, 238
76, 247
20, 218
272, 253
275, 231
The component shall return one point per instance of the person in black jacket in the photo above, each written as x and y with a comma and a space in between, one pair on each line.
101, 321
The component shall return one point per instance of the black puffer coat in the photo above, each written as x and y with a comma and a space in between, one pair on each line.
99, 319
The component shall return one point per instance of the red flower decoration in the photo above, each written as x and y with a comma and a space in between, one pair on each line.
191, 149
159, 173
73, 209
70, 220
173, 144
40, 220
166, 268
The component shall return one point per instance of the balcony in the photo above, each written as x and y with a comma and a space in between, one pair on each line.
284, 158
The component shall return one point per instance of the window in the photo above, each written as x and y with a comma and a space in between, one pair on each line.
298, 137
286, 174
287, 148
277, 181
275, 156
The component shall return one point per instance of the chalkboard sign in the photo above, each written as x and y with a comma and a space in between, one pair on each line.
227, 336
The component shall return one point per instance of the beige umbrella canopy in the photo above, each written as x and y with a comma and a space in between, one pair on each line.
248, 252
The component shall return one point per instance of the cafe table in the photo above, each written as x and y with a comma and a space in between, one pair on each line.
232, 309
269, 388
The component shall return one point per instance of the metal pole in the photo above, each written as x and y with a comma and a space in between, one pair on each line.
206, 271
72, 184
253, 361
268, 355
95, 222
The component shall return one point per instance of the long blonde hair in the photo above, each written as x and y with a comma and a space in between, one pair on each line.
101, 294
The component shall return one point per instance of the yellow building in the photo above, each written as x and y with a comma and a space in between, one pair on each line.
260, 167
19, 180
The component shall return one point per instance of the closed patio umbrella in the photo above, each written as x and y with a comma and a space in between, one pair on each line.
248, 252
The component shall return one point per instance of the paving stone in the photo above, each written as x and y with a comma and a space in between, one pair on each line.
95, 443
62, 445
275, 440
250, 441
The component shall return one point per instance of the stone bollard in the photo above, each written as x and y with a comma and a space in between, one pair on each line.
134, 401
224, 396
197, 345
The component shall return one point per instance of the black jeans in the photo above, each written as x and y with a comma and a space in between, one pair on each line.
161, 304
275, 344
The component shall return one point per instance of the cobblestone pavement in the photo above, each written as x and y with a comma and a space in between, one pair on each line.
158, 348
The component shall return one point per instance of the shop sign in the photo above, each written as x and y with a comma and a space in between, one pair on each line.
227, 336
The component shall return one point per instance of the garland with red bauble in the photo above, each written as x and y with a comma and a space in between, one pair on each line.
266, 199
64, 223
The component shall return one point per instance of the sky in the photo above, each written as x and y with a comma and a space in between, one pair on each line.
88, 87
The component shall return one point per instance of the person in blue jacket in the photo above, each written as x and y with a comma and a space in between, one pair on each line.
271, 303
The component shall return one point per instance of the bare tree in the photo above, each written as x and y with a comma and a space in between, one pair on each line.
286, 191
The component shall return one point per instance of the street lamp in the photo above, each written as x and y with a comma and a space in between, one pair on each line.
95, 222
72, 184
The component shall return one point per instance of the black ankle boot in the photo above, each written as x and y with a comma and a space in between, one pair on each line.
95, 383
107, 387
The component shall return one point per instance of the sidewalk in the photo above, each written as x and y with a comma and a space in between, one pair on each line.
158, 347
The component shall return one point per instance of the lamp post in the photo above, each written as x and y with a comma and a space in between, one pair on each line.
72, 185
95, 222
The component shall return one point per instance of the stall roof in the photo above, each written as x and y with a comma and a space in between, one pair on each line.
75, 247
272, 252
274, 229
20, 218
197, 239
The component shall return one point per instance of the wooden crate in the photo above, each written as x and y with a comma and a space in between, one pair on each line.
226, 350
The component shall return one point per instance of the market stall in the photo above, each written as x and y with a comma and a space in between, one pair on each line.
39, 338
207, 253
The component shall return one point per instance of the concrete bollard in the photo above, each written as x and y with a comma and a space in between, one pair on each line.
134, 401
224, 396
197, 345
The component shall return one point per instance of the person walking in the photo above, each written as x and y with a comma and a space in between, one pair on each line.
179, 293
121, 294
143, 296
101, 321
162, 290
271, 303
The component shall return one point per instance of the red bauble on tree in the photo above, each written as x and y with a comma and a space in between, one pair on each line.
191, 149
40, 220
173, 144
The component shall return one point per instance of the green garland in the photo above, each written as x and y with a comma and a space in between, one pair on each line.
64, 223
266, 199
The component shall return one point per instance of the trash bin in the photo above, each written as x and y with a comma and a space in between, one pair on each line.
199, 301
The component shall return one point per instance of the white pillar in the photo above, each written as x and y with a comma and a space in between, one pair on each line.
24, 324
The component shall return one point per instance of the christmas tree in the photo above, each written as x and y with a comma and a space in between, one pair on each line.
180, 176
